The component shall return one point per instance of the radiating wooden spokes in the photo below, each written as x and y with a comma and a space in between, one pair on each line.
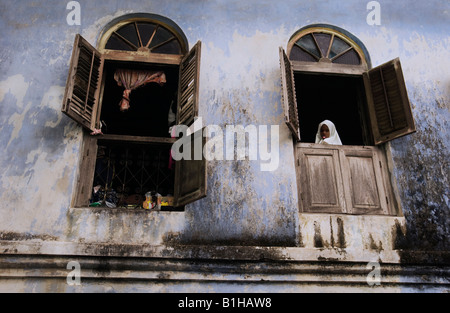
144, 36
324, 47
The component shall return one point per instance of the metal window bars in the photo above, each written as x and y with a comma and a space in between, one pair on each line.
129, 169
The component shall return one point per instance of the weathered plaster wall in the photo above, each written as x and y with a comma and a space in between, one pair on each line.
420, 38
240, 84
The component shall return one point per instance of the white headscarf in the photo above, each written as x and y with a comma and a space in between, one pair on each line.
334, 137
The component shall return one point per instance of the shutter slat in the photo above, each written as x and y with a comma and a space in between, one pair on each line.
189, 73
186, 95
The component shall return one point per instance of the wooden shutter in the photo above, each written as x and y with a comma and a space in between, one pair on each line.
85, 180
190, 175
289, 101
362, 173
388, 105
344, 179
83, 84
188, 86
321, 187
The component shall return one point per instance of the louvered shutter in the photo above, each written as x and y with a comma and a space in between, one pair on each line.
83, 84
388, 105
191, 175
289, 100
188, 86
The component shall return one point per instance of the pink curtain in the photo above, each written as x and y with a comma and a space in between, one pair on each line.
132, 79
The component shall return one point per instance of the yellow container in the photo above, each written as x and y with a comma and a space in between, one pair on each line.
167, 201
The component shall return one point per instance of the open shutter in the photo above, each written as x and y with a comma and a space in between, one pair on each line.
289, 100
83, 84
188, 86
190, 175
85, 180
388, 105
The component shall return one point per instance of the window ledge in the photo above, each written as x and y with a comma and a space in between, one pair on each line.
324, 146
137, 226
121, 210
235, 253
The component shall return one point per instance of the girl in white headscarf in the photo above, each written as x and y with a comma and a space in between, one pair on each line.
327, 134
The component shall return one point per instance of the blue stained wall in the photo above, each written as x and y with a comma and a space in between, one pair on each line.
240, 85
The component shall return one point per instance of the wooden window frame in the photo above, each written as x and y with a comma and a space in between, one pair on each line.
392, 101
394, 104
135, 18
389, 105
88, 116
324, 64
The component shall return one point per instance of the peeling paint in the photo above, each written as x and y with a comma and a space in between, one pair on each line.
239, 85
17, 88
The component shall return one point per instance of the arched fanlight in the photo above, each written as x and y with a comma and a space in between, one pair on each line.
324, 47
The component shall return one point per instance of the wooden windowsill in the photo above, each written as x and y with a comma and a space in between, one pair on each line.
137, 139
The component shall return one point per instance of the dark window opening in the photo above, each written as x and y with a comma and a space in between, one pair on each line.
332, 97
126, 170
150, 105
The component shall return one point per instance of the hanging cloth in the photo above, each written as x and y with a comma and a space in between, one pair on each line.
132, 79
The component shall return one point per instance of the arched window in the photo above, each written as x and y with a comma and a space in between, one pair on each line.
139, 81
327, 74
